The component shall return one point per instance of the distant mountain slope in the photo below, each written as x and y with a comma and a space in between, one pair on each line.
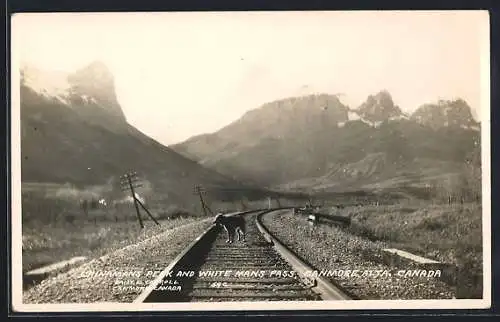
74, 131
316, 142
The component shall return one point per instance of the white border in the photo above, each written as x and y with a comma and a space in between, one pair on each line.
16, 250
16, 202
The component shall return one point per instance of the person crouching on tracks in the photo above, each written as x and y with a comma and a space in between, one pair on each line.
232, 225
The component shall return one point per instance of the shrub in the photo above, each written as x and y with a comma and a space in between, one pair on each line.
175, 212
432, 224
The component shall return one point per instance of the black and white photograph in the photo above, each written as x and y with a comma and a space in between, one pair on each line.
292, 160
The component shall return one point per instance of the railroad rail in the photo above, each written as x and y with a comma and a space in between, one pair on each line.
260, 269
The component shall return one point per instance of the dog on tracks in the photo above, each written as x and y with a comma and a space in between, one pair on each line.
233, 225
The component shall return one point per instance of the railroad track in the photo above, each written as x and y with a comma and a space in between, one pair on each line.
260, 269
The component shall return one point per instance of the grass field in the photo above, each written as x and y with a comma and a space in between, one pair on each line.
52, 243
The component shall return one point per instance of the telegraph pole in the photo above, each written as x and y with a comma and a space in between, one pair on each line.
129, 181
146, 209
199, 191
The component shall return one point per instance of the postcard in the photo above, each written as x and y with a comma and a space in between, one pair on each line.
226, 161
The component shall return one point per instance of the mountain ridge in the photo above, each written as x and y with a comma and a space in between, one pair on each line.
300, 138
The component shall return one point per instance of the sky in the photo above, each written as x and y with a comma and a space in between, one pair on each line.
184, 74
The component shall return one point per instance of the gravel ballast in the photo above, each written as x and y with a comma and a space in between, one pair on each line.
119, 276
330, 248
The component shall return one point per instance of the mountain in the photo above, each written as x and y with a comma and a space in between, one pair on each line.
256, 147
446, 113
316, 142
74, 131
379, 108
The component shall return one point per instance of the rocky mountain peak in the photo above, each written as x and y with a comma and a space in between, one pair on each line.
90, 88
379, 107
97, 82
96, 74
446, 113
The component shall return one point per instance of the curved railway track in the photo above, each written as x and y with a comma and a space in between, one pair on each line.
260, 269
